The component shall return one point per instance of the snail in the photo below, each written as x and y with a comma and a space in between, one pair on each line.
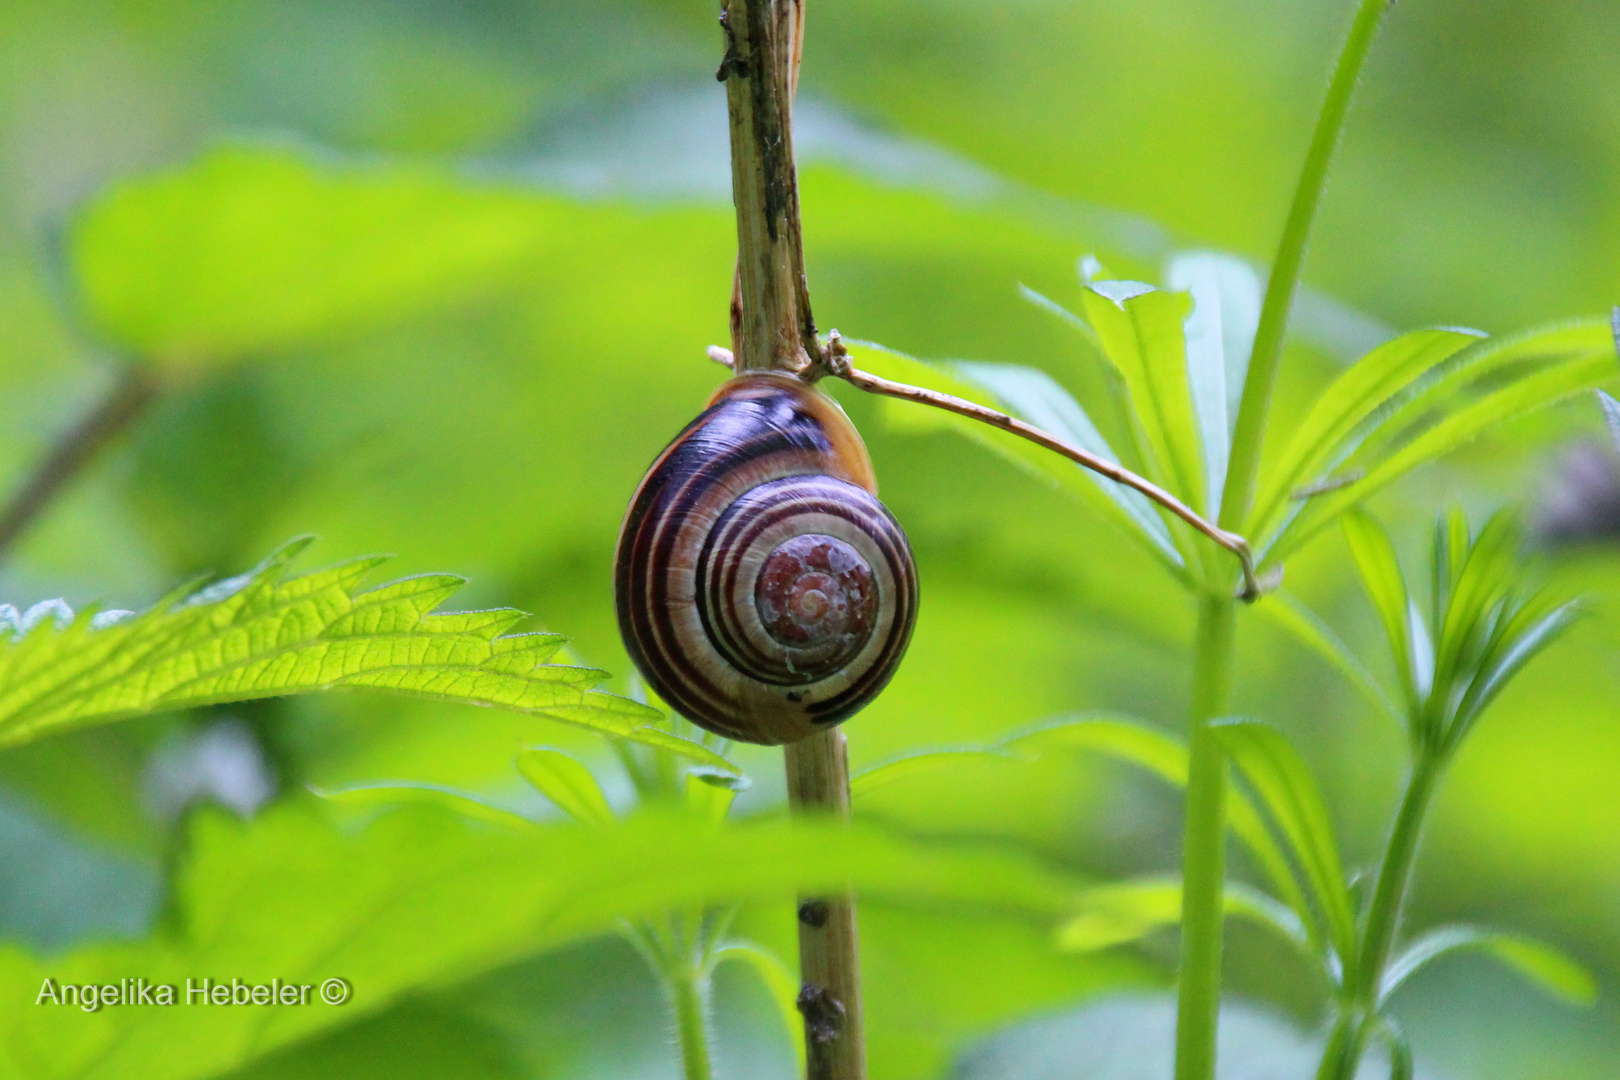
762, 589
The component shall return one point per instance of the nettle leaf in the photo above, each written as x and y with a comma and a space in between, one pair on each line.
1472, 391
1537, 961
1104, 496
1142, 334
468, 899
264, 634
1219, 332
252, 247
1290, 794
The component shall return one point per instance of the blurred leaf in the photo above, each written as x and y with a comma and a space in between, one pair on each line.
1289, 792
1133, 1037
1484, 572
560, 777
1219, 331
1524, 634
412, 1042
264, 635
1166, 756
1401, 1065
1537, 961
1374, 555
465, 899
464, 803
1035, 397
1142, 333
1355, 397
1285, 610
921, 761
781, 982
1066, 474
254, 247
1126, 911
1611, 416
1063, 314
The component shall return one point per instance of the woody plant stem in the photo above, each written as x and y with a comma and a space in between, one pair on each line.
771, 324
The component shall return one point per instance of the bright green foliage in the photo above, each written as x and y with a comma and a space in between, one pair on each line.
1482, 624
1415, 414
1288, 791
466, 896
252, 247
1122, 912
560, 777
264, 634
1535, 960
1039, 398
1410, 401
1141, 333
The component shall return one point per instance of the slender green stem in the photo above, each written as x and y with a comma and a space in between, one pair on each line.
689, 992
1364, 980
1204, 848
1284, 280
126, 399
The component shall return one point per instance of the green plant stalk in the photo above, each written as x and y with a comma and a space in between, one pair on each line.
1243, 464
1204, 846
688, 991
1342, 1056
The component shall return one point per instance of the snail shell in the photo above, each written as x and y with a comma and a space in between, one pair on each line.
762, 589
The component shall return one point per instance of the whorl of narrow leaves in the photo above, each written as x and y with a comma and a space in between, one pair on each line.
265, 634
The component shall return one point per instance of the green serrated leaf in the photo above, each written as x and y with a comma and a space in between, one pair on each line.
1537, 961
263, 634
252, 247
570, 786
1289, 793
466, 900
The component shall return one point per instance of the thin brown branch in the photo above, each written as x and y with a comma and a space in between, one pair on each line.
126, 399
836, 362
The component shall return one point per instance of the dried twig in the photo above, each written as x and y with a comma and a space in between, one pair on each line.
834, 360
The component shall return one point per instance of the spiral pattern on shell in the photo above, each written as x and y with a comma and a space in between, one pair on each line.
762, 589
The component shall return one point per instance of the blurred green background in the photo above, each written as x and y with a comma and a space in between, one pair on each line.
951, 150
